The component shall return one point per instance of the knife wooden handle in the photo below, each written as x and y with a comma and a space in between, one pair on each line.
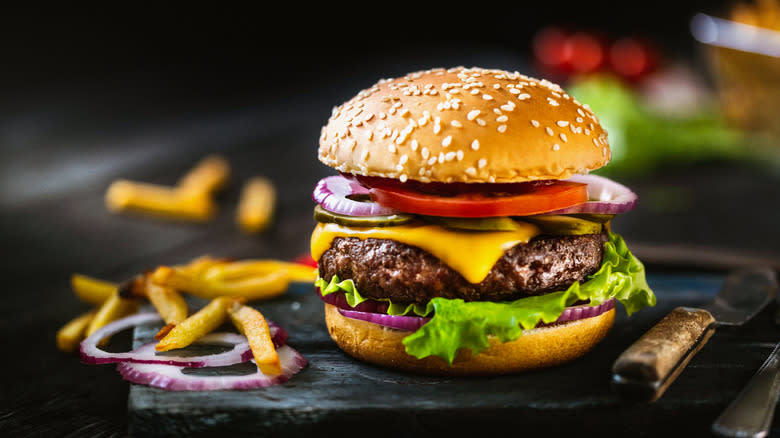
650, 365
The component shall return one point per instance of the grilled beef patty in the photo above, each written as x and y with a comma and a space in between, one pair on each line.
403, 273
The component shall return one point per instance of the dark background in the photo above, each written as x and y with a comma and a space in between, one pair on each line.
142, 91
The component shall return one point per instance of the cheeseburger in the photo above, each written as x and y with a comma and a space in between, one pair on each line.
463, 234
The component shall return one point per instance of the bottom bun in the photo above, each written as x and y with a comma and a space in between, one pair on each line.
537, 348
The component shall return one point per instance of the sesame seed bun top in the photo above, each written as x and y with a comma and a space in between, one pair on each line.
464, 125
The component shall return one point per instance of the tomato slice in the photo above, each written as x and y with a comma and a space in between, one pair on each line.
522, 200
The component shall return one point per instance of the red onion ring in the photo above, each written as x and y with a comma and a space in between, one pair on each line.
173, 378
585, 311
91, 354
400, 322
339, 300
412, 323
606, 197
331, 193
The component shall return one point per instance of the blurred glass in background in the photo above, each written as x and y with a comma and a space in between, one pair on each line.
661, 111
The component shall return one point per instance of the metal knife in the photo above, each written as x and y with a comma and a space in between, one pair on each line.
750, 414
646, 369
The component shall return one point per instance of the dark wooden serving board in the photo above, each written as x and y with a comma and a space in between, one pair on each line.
336, 395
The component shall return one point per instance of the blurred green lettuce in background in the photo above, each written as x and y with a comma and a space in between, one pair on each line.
644, 139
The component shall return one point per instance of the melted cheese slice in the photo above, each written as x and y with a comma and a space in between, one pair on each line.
471, 253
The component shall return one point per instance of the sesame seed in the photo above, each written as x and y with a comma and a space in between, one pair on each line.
471, 171
515, 90
556, 146
535, 123
441, 157
472, 114
456, 124
447, 141
415, 145
604, 151
549, 131
480, 122
449, 156
523, 96
475, 145
482, 163
403, 159
595, 142
502, 119
422, 121
578, 119
459, 155
501, 128
425, 153
474, 91
370, 135
391, 147
562, 123
508, 107
403, 177
563, 137
487, 97
431, 161
436, 128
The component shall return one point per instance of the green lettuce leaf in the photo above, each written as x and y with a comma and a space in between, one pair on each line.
457, 324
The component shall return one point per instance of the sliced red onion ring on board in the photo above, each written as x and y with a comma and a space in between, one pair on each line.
239, 347
332, 194
605, 197
178, 378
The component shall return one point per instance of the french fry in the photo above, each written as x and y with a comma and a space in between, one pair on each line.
253, 325
301, 273
72, 333
256, 205
253, 288
247, 268
197, 266
169, 303
91, 290
197, 325
210, 175
113, 308
167, 202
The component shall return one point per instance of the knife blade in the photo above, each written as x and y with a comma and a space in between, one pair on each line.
777, 310
750, 414
645, 370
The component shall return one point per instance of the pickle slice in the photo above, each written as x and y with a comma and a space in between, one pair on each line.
322, 215
594, 217
480, 224
562, 225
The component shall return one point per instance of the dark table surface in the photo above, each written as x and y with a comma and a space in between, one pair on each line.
63, 142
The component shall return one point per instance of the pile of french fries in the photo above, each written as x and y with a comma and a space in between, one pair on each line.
228, 284
192, 198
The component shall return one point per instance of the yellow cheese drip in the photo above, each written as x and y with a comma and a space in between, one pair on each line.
471, 253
